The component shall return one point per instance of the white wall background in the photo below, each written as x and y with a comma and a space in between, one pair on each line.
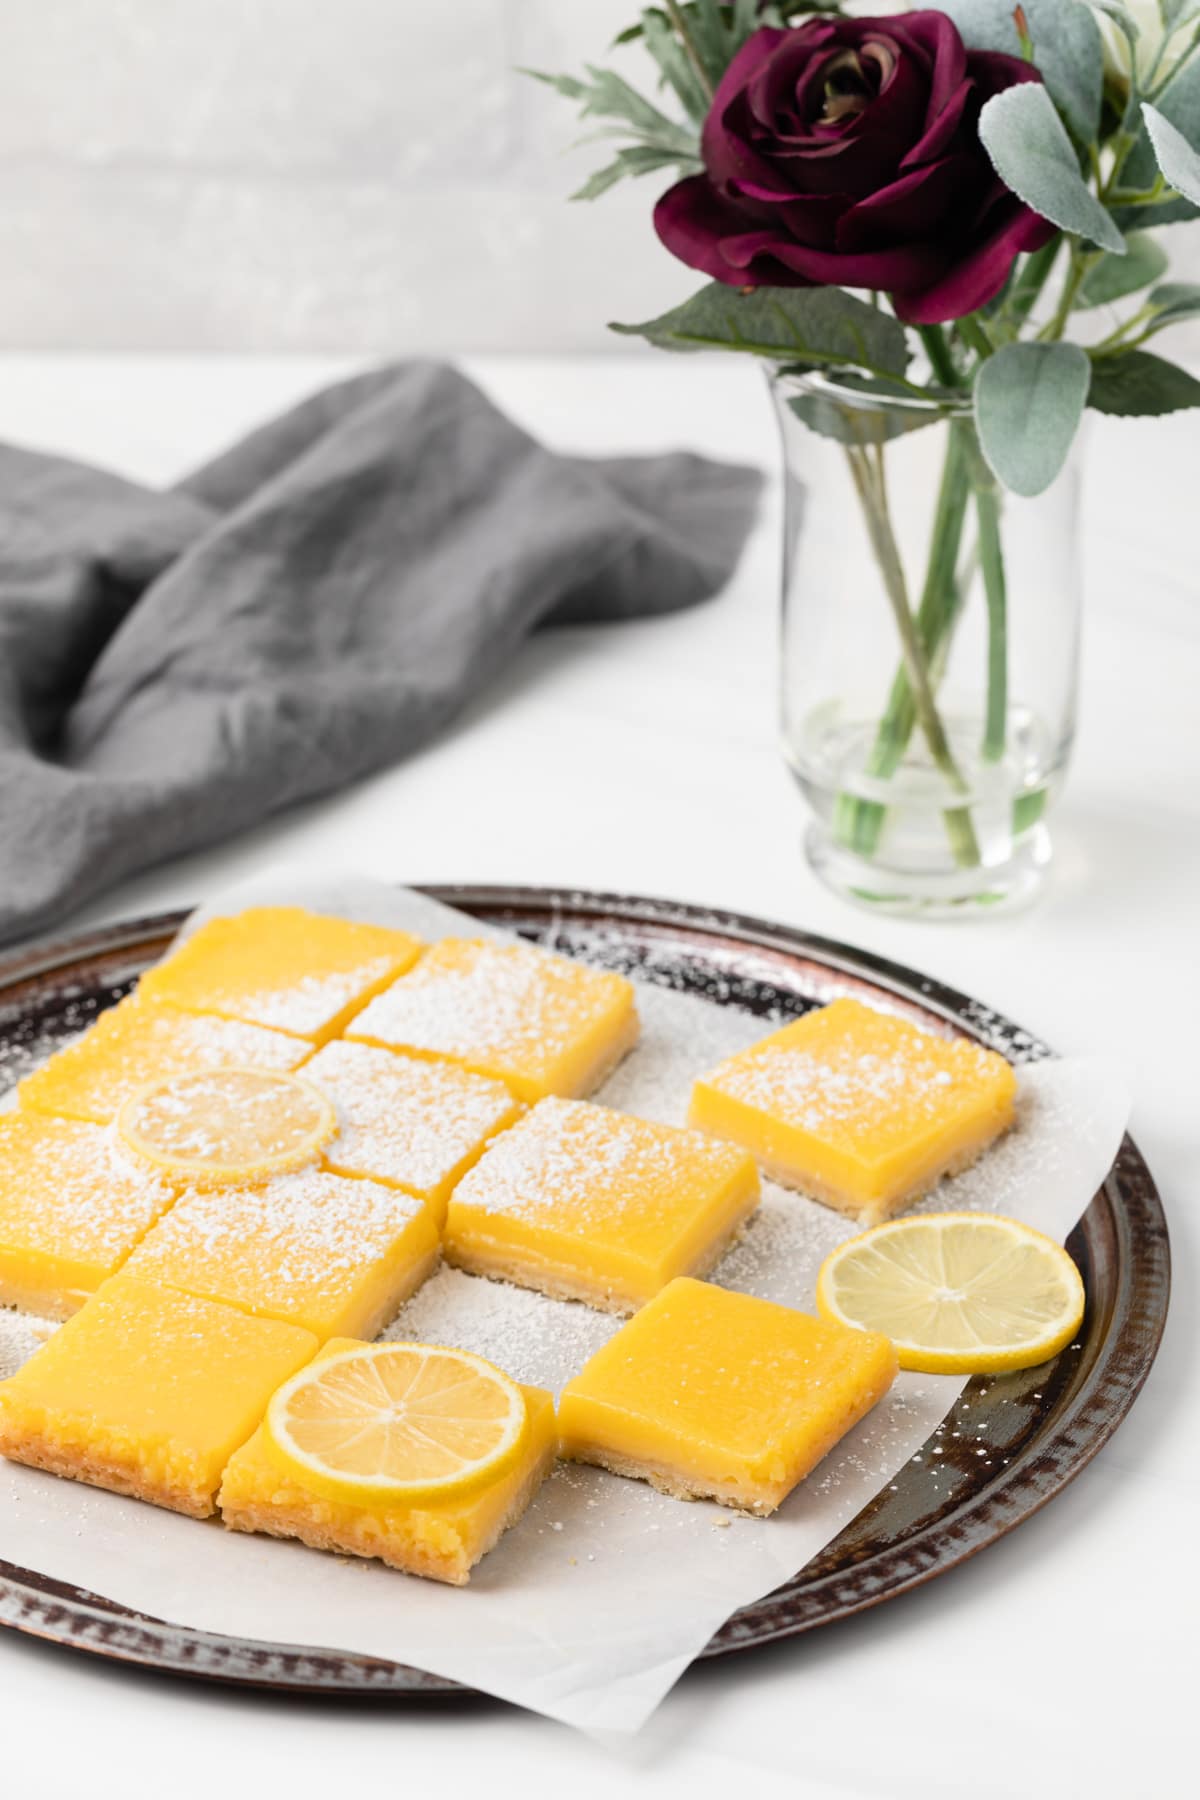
366, 175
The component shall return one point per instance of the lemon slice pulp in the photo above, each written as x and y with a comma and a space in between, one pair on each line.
958, 1293
225, 1125
396, 1424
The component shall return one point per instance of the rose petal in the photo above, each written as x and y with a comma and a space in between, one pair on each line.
914, 206
691, 219
765, 257
977, 277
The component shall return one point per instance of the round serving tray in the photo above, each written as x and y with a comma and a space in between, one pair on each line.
1040, 1427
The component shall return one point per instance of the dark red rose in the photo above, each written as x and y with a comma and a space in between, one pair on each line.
845, 152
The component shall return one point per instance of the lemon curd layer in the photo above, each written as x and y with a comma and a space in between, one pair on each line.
71, 1210
135, 1043
281, 967
857, 1108
709, 1394
310, 1248
441, 1539
417, 1124
541, 1023
589, 1204
148, 1391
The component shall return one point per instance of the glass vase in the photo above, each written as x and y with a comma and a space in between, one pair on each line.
929, 651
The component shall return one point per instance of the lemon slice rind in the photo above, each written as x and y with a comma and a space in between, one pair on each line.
882, 1280
323, 1478
215, 1171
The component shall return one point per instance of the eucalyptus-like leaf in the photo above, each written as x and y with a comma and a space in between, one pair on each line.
1173, 302
1067, 49
1029, 399
1135, 384
811, 325
1115, 276
1033, 155
1179, 103
1178, 160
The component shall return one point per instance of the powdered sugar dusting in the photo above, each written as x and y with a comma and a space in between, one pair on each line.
307, 1005
298, 1236
404, 1119
478, 1000
66, 1189
538, 1341
582, 1166
137, 1042
888, 1086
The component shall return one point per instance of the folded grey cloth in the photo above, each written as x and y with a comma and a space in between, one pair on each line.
315, 603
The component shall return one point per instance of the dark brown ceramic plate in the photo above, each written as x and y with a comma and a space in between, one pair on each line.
1040, 1427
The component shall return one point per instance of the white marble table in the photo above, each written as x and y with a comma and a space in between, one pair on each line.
1060, 1662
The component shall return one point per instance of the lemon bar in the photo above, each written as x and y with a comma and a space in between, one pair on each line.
310, 1248
441, 1539
148, 1391
858, 1108
417, 1124
71, 1210
713, 1395
282, 967
135, 1043
584, 1203
541, 1023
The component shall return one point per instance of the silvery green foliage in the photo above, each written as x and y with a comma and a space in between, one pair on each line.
1029, 399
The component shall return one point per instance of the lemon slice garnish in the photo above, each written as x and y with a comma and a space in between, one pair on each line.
957, 1293
396, 1424
224, 1125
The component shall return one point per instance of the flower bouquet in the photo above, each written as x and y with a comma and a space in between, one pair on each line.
939, 231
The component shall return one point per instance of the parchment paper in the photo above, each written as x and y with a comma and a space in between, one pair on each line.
591, 1608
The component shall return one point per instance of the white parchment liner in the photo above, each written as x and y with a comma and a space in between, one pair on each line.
592, 1607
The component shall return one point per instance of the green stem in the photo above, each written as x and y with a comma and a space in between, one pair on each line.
973, 333
959, 829
991, 562
938, 351
1081, 261
1030, 282
859, 822
675, 12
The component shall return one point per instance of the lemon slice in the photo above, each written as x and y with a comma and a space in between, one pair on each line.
225, 1125
957, 1293
396, 1424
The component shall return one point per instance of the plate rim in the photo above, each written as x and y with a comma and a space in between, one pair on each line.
72, 1618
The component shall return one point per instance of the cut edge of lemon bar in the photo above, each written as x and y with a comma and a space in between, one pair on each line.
148, 1391
710, 1394
439, 1540
859, 1109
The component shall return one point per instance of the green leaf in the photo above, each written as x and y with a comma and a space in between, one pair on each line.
1115, 276
1135, 384
858, 426
636, 159
812, 325
1033, 155
1179, 104
1173, 302
1067, 49
1029, 399
675, 64
1179, 162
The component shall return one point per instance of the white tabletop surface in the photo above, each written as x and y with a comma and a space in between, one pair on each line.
644, 757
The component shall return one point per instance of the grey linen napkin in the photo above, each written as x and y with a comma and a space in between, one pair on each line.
316, 602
